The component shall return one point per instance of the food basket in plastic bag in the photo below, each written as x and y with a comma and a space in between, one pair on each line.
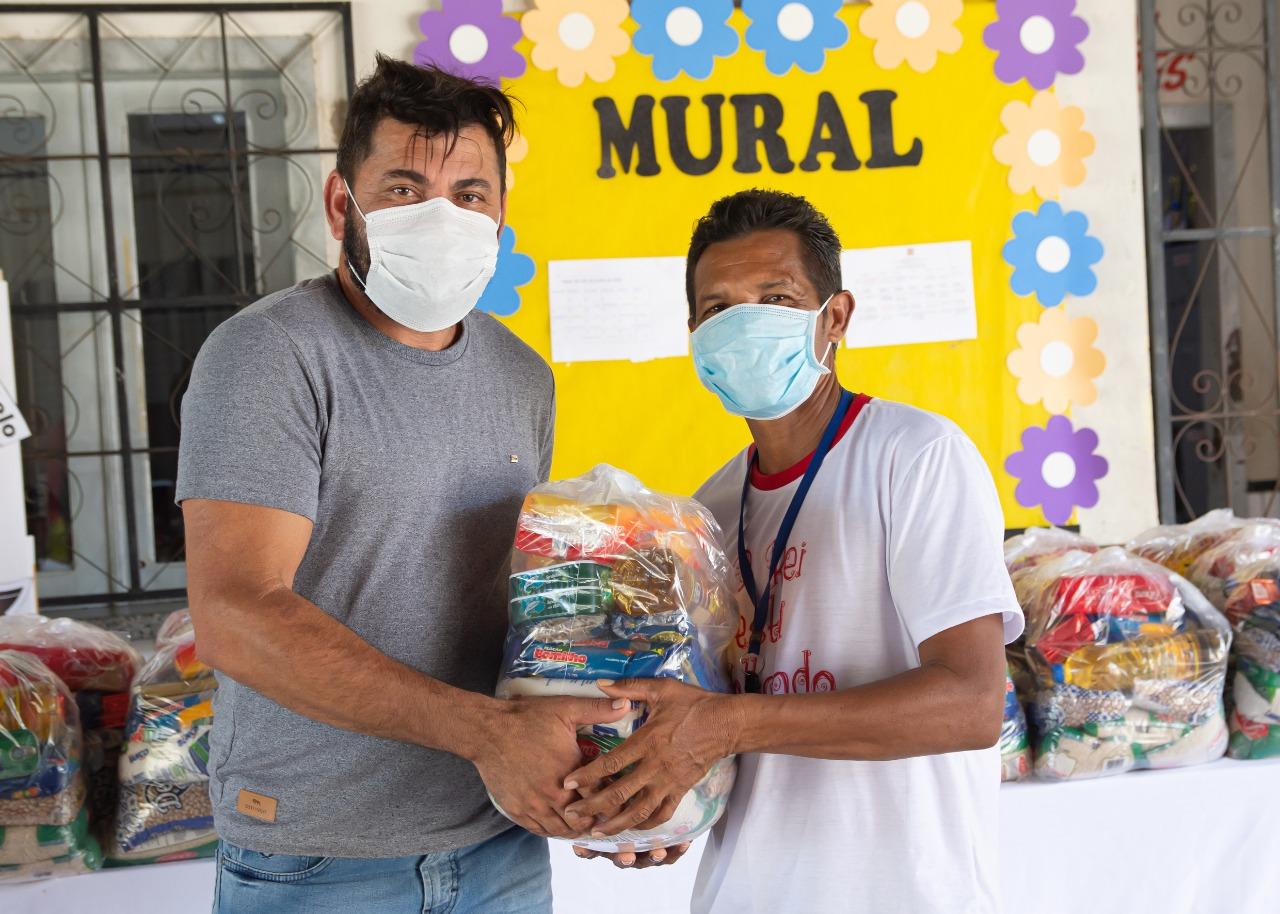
1214, 572
164, 806
43, 822
1129, 662
611, 580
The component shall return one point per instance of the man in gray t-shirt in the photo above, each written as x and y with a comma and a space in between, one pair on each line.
354, 454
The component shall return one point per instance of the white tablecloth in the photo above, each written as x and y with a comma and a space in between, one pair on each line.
1192, 841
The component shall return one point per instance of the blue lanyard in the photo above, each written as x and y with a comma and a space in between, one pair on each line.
761, 600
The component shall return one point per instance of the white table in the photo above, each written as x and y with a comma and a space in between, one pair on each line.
1190, 841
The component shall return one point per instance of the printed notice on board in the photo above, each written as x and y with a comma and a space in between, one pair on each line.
917, 293
631, 308
13, 428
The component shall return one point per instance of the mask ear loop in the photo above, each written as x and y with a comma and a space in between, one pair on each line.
365, 219
822, 362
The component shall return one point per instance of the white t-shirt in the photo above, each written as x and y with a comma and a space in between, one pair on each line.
900, 538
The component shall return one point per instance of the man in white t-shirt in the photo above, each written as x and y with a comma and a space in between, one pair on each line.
870, 663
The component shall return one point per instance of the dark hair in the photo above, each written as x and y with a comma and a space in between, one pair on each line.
438, 103
757, 210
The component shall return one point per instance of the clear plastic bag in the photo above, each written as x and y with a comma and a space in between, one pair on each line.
81, 655
1216, 570
1015, 746
40, 745
164, 811
43, 822
1250, 598
611, 580
1129, 662
1177, 546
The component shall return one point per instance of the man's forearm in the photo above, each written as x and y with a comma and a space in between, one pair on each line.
926, 711
293, 652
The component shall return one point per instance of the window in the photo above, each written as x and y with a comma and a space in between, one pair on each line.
159, 169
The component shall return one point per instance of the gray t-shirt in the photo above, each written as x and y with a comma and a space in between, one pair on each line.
412, 466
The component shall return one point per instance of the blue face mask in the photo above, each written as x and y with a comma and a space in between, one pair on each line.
759, 359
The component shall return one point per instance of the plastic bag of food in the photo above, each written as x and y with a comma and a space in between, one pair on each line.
1015, 748
1177, 546
151, 811
166, 847
612, 580
1129, 661
170, 719
84, 861
1039, 544
81, 655
40, 745
1218, 570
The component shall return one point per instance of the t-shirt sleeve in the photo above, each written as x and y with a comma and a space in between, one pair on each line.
250, 421
946, 532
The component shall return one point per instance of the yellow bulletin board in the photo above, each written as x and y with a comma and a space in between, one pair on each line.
654, 418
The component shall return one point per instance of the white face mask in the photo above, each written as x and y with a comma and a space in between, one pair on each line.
429, 262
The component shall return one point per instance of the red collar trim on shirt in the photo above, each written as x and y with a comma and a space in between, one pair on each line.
768, 481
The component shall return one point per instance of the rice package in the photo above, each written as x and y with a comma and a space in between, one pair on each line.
1129, 662
43, 822
163, 810
611, 580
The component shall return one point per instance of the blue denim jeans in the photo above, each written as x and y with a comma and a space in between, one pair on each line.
509, 874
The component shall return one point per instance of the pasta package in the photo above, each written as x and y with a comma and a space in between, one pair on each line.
612, 580
1128, 663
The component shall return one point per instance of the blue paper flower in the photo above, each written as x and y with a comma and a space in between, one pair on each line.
683, 35
1052, 254
794, 32
501, 297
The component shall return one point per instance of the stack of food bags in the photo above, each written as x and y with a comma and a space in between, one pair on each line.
610, 581
43, 821
1015, 749
1129, 662
164, 811
98, 667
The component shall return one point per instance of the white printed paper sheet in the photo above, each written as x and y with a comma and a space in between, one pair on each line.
916, 293
631, 308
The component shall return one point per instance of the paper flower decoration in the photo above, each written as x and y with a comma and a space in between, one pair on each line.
684, 35
577, 38
1044, 145
501, 297
1036, 40
915, 31
1057, 469
471, 38
793, 33
1056, 361
1052, 254
516, 152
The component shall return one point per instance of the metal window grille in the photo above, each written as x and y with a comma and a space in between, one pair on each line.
1211, 143
160, 167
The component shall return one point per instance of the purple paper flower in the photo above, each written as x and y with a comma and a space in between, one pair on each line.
471, 38
1057, 469
1036, 40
